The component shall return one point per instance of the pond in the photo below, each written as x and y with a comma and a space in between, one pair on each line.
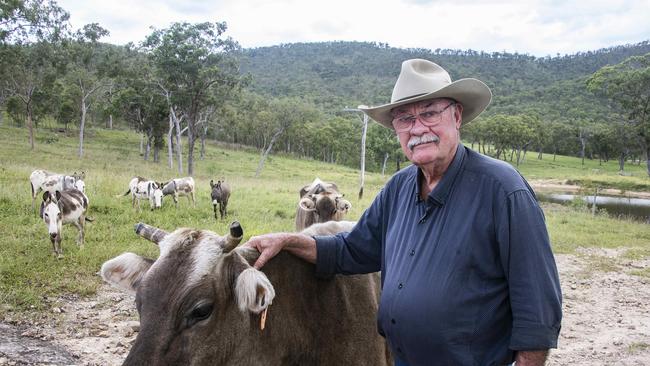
637, 208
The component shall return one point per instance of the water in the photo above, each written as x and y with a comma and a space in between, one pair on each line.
637, 208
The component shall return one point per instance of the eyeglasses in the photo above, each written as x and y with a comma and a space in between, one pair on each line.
428, 118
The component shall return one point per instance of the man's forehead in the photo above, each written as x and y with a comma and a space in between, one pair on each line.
419, 104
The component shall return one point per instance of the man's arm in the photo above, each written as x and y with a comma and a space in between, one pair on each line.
270, 245
531, 358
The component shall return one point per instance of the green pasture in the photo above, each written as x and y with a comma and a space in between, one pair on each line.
29, 272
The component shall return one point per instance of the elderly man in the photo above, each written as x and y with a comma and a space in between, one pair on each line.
468, 276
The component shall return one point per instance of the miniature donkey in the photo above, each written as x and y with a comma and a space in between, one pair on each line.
220, 195
67, 207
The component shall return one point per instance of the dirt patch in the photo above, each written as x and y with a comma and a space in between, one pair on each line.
606, 319
554, 185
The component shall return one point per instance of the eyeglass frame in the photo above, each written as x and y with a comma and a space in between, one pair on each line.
437, 116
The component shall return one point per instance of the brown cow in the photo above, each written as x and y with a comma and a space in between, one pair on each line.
201, 303
320, 202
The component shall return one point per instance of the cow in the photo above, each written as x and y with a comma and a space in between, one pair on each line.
180, 187
42, 180
67, 207
320, 202
144, 189
203, 303
220, 195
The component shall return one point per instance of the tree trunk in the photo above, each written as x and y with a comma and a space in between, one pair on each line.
170, 143
621, 162
84, 110
179, 147
363, 154
30, 126
383, 165
147, 149
156, 153
260, 166
190, 147
110, 122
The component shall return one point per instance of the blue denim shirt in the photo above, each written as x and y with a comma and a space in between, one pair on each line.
468, 276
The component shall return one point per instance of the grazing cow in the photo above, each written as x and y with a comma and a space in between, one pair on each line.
320, 202
143, 189
203, 303
220, 194
69, 208
180, 187
42, 180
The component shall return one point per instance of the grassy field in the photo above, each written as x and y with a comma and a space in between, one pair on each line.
29, 272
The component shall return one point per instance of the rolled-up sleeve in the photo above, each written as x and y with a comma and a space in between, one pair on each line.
529, 264
356, 252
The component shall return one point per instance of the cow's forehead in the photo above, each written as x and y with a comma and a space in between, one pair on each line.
201, 250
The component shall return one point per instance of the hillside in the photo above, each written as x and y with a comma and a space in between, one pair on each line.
338, 74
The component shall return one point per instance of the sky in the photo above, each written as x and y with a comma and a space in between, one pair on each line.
535, 27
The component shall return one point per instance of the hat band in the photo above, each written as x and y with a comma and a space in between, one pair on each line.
411, 96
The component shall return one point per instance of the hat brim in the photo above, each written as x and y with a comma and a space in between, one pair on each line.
473, 94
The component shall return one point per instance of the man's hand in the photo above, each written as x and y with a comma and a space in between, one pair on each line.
531, 358
269, 245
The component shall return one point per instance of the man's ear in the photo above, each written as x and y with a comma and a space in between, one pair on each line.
125, 271
458, 115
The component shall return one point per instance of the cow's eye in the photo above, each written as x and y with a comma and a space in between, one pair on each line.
200, 312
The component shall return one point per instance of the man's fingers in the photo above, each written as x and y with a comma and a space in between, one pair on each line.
261, 261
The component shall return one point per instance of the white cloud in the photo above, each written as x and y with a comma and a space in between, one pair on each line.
538, 27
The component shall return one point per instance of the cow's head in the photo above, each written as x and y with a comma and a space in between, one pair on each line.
52, 214
326, 205
195, 300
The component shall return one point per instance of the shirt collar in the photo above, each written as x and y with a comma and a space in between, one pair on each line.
440, 193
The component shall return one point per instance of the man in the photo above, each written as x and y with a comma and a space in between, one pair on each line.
468, 276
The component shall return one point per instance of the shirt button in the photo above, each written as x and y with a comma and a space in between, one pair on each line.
400, 286
412, 252
392, 321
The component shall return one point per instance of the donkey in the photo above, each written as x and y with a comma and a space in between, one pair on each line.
42, 180
180, 187
220, 194
69, 208
79, 183
143, 189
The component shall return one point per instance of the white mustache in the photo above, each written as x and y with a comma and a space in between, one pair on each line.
418, 140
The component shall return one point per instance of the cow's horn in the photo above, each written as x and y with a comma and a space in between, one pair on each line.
149, 232
234, 237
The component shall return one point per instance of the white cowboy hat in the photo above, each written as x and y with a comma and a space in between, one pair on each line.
423, 79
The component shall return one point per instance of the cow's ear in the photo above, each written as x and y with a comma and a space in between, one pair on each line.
307, 203
125, 271
253, 290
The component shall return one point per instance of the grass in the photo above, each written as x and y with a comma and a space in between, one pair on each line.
29, 273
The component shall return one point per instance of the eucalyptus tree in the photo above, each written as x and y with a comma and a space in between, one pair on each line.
85, 75
28, 21
192, 60
281, 116
30, 30
627, 85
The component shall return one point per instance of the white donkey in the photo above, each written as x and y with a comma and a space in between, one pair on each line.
42, 180
69, 208
180, 187
142, 189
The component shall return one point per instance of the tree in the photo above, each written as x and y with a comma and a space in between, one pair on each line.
193, 60
281, 116
27, 21
628, 85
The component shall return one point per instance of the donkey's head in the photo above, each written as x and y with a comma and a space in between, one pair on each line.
51, 212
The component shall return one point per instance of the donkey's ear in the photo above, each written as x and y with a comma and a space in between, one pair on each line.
58, 195
46, 196
211, 183
83, 175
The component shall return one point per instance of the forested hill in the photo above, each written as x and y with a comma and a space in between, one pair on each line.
338, 74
